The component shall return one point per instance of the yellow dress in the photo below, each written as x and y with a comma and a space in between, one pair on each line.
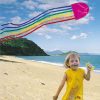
74, 89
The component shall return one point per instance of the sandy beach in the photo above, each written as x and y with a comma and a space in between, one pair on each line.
27, 80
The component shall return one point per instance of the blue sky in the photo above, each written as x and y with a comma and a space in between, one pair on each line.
82, 35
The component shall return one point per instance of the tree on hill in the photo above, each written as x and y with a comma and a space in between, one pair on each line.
21, 47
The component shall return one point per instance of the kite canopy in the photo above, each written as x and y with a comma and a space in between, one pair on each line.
80, 10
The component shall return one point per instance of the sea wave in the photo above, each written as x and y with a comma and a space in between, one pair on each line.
58, 64
62, 65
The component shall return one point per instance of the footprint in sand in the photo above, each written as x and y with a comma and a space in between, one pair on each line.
42, 83
6, 73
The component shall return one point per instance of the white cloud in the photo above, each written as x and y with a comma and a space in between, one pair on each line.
1, 18
75, 1
90, 8
66, 27
46, 31
7, 1
52, 1
81, 36
34, 14
16, 19
46, 6
81, 21
85, 20
48, 36
1, 22
61, 1
30, 4
13, 11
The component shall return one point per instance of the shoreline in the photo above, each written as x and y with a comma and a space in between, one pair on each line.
58, 64
97, 69
32, 80
47, 62
61, 65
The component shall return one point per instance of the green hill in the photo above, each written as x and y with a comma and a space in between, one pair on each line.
21, 47
68, 52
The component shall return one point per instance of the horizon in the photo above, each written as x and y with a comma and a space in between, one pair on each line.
63, 51
77, 35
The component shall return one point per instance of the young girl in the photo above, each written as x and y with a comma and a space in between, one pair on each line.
74, 77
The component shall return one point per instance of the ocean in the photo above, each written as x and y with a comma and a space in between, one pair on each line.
59, 60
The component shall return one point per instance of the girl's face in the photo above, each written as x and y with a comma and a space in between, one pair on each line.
74, 62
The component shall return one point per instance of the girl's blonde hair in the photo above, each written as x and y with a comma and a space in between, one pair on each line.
66, 62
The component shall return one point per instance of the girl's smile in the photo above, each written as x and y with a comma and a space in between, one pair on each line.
74, 62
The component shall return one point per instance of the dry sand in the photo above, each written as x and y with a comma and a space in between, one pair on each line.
27, 80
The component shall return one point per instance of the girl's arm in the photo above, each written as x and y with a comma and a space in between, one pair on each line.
88, 74
60, 87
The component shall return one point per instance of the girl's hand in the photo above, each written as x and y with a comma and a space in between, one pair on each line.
89, 67
55, 97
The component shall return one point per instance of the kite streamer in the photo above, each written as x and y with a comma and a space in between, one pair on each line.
51, 16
